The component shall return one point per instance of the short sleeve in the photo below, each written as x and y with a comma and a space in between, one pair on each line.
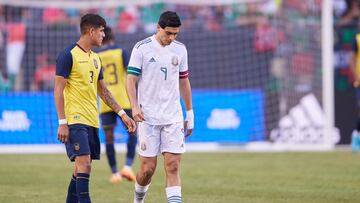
134, 67
184, 73
125, 57
101, 75
64, 64
354, 46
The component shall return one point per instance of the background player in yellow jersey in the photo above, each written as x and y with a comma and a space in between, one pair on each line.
355, 68
78, 81
114, 61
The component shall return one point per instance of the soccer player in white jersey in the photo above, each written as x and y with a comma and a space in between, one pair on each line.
159, 65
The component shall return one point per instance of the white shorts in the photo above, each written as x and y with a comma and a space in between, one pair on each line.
156, 139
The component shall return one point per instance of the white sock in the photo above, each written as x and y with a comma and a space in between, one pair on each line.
173, 194
127, 167
140, 192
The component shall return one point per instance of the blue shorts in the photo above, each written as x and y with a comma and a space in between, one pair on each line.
110, 118
83, 140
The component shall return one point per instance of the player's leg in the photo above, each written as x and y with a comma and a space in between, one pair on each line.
108, 122
83, 164
355, 137
82, 147
173, 182
143, 177
149, 140
172, 146
71, 195
126, 171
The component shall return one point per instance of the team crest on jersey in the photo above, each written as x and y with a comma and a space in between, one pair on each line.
96, 64
175, 60
143, 146
77, 146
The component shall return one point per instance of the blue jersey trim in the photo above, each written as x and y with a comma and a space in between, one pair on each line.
64, 62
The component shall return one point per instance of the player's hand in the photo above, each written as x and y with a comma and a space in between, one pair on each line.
63, 133
189, 122
137, 114
130, 124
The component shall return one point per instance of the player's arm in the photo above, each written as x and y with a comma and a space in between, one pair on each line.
63, 131
185, 91
131, 82
109, 100
64, 64
133, 72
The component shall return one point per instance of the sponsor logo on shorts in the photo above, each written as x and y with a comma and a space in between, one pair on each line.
143, 146
77, 146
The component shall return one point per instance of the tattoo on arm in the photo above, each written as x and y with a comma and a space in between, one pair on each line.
107, 97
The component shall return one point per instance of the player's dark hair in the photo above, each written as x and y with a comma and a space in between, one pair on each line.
109, 35
169, 19
91, 21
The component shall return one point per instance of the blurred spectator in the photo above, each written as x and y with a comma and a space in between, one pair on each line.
215, 20
54, 17
351, 15
252, 16
16, 33
111, 16
128, 20
44, 74
150, 16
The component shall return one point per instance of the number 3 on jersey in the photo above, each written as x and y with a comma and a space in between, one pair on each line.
164, 70
91, 76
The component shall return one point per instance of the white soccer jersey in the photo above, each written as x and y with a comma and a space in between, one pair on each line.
159, 69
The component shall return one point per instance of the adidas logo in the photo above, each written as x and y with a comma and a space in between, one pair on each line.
304, 124
152, 59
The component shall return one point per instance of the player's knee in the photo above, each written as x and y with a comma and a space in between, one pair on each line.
84, 167
172, 167
149, 170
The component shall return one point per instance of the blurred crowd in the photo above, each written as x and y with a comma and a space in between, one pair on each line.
263, 15
16, 21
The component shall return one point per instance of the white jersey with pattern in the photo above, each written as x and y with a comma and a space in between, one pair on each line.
159, 70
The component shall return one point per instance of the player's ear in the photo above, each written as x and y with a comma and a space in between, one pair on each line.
91, 31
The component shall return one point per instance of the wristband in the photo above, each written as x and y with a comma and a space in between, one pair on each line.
62, 121
190, 119
121, 112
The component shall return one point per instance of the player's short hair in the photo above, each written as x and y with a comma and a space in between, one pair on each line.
109, 35
91, 21
169, 19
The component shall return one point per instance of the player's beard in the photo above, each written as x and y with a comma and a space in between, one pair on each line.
98, 43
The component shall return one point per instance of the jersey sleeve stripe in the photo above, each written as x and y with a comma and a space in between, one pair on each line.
183, 75
134, 71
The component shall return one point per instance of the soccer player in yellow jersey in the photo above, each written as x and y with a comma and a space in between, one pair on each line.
78, 81
114, 61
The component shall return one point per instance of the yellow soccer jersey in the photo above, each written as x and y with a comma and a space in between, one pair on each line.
83, 70
114, 61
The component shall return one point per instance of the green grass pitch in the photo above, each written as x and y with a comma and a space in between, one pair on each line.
309, 177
